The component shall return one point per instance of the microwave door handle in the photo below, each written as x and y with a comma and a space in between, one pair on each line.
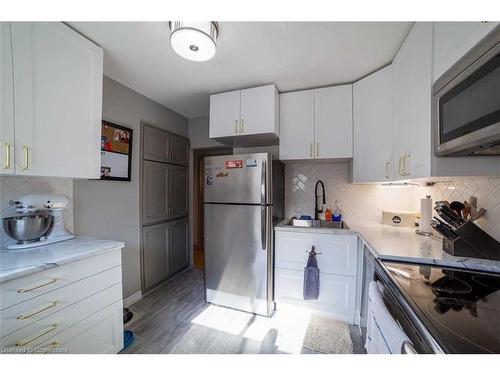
263, 207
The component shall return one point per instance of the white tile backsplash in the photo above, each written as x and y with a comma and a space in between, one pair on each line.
365, 203
12, 187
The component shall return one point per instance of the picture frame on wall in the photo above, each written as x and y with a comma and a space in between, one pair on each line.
116, 152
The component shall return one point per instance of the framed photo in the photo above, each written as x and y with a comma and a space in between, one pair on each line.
116, 152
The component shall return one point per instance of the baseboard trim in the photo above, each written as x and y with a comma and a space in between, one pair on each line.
130, 300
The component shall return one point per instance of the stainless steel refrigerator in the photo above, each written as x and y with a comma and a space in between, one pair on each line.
243, 200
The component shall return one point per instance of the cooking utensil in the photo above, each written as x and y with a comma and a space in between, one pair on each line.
28, 228
458, 207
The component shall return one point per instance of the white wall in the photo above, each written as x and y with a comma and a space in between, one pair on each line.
198, 133
110, 209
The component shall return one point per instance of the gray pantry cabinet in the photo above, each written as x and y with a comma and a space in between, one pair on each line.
164, 205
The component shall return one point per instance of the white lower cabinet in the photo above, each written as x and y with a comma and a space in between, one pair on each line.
73, 308
101, 332
338, 268
336, 293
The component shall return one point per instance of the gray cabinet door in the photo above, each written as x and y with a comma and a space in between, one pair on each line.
155, 254
180, 150
179, 257
178, 191
155, 192
156, 144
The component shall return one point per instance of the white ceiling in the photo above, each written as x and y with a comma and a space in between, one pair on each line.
294, 55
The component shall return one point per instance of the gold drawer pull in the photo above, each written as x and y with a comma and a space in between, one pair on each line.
7, 157
49, 347
24, 290
37, 336
44, 308
26, 150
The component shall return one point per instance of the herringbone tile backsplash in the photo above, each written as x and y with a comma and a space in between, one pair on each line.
365, 203
12, 188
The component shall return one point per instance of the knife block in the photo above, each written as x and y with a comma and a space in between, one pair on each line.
472, 242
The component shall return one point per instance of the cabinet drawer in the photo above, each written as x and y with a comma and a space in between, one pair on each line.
28, 312
337, 294
338, 252
32, 335
19, 290
104, 330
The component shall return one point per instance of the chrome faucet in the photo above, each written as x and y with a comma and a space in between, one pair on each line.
316, 211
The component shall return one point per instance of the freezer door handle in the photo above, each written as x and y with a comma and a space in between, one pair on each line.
263, 185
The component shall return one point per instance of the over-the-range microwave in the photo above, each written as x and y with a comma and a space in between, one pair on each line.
466, 102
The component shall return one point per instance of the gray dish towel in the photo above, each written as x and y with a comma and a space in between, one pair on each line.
311, 277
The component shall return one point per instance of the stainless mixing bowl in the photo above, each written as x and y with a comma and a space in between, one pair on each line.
28, 228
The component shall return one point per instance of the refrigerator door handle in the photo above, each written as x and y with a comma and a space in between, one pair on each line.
263, 211
263, 227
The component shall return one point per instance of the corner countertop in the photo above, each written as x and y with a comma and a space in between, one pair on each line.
402, 244
22, 262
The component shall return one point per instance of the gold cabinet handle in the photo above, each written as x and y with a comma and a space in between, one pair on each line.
7, 156
317, 149
42, 333
387, 175
42, 309
236, 127
406, 172
24, 290
49, 347
26, 150
242, 126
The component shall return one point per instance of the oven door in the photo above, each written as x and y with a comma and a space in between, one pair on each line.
466, 102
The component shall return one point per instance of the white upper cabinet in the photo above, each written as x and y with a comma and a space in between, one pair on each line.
316, 124
259, 110
6, 102
58, 101
372, 100
452, 40
421, 98
248, 112
225, 114
401, 120
297, 125
333, 122
412, 69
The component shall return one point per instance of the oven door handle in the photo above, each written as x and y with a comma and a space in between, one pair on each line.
407, 348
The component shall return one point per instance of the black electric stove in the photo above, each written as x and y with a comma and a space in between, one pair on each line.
459, 308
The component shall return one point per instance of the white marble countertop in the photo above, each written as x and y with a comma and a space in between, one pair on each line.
22, 262
402, 244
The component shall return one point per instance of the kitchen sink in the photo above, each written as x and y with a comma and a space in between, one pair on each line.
316, 223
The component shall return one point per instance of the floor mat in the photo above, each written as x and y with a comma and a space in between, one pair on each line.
327, 335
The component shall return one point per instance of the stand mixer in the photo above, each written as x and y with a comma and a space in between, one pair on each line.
51, 204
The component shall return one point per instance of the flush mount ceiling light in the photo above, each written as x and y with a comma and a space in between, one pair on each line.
195, 41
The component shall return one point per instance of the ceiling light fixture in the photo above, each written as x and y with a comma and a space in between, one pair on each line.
195, 41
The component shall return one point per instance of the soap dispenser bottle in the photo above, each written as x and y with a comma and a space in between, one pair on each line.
337, 212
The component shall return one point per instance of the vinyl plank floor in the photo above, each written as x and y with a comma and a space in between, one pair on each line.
174, 318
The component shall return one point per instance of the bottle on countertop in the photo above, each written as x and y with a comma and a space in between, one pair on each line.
337, 212
328, 214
